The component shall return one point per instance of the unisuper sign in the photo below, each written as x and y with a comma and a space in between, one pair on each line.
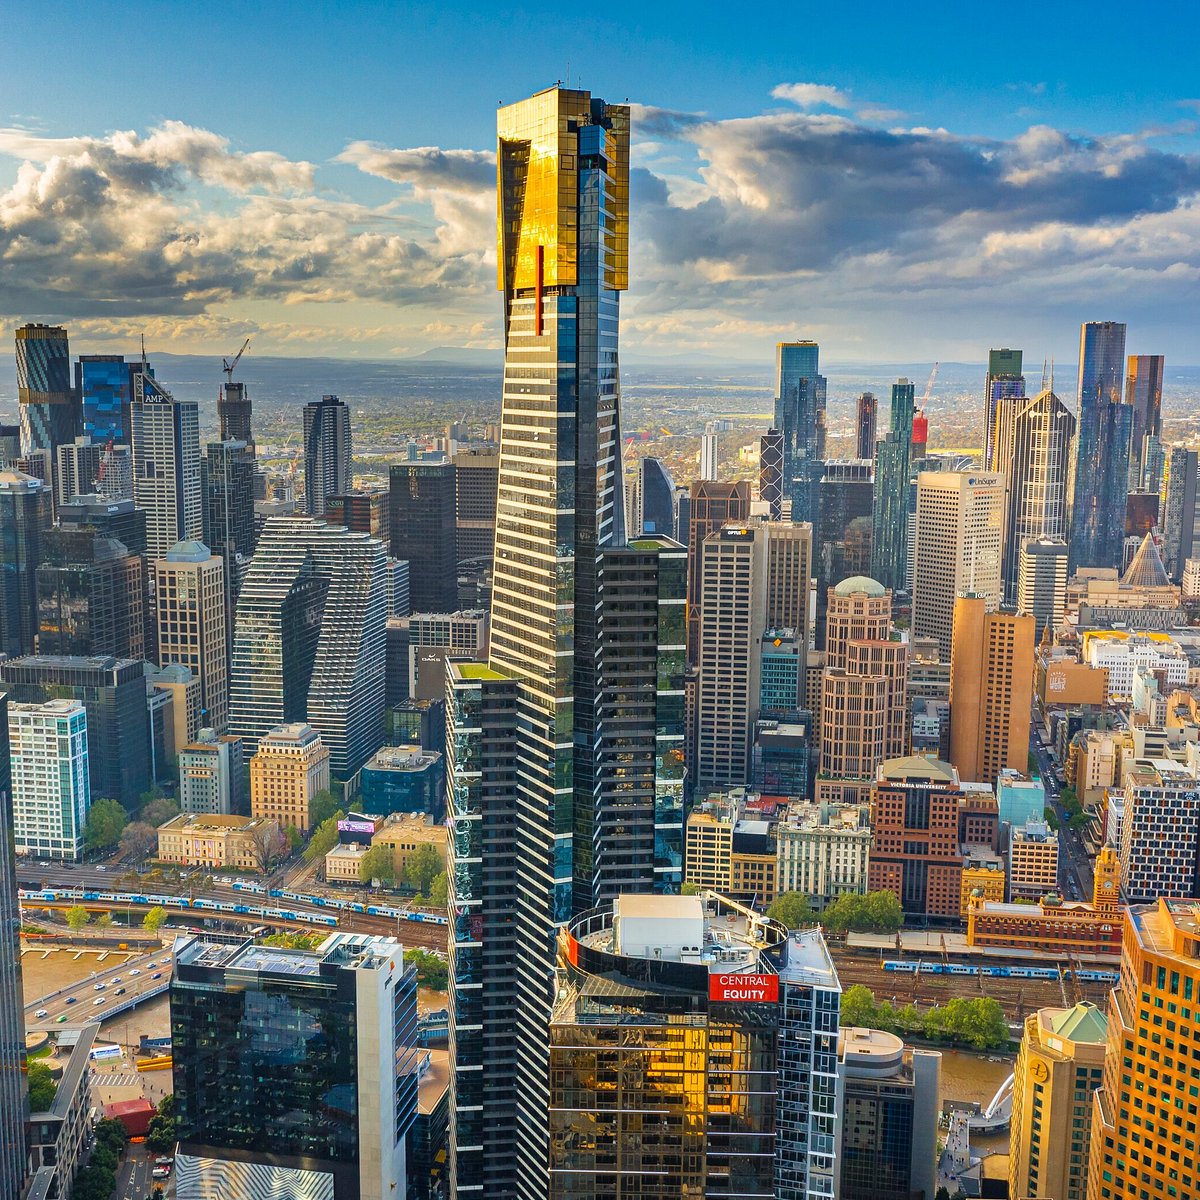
745, 989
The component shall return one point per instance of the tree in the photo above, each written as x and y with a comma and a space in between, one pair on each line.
791, 909
111, 1133
158, 811
324, 837
139, 840
883, 912
295, 838
439, 890
943, 1193
166, 1106
105, 821
432, 971
266, 843
689, 889
42, 1087
378, 863
104, 921
77, 917
424, 863
160, 1133
859, 1007
154, 920
321, 807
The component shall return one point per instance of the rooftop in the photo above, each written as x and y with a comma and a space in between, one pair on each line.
1082, 1023
859, 584
190, 550
914, 766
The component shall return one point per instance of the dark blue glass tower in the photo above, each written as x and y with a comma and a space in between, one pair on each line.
800, 414
105, 386
893, 491
49, 408
1101, 462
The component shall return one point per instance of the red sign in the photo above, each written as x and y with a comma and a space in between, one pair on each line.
744, 989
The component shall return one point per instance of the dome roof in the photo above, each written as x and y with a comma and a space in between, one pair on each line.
859, 583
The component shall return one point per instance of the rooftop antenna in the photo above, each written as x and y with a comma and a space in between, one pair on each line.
145, 364
1052, 374
1044, 361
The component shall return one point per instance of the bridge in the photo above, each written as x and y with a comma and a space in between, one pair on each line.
75, 1004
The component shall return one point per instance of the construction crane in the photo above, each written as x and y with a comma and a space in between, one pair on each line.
228, 366
929, 387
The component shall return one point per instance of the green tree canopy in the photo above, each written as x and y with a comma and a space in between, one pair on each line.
439, 890
378, 863
432, 971
77, 917
859, 1007
689, 889
105, 822
158, 811
424, 863
324, 838
877, 912
154, 919
111, 1133
104, 921
791, 909
321, 807
42, 1087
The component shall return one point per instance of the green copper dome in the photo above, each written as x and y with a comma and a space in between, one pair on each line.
859, 583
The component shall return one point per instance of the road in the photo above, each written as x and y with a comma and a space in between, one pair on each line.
134, 1179
77, 1003
1074, 865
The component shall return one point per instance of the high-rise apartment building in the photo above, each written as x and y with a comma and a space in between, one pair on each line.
563, 259
770, 472
91, 594
48, 746
710, 449
1100, 474
1160, 831
476, 476
865, 417
1137, 1112
1059, 1066
1143, 393
1178, 509
113, 693
210, 774
892, 500
14, 1103
114, 479
991, 690
800, 417
1004, 380
328, 451
889, 1116
309, 639
227, 491
842, 538
711, 507
295, 1071
656, 495
234, 414
76, 467
104, 383
1042, 582
48, 405
24, 516
1036, 479
717, 1003
166, 465
190, 601
423, 528
915, 835
959, 538
289, 768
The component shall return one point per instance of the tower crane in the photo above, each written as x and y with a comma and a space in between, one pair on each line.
228, 366
929, 386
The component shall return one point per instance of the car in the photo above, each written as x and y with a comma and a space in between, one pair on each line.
160, 1173
156, 975
119, 992
41, 1012
101, 868
135, 971
72, 999
115, 979
164, 1160
61, 1019
98, 1001
99, 987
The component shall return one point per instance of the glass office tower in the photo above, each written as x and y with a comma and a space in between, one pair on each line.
49, 407
893, 495
105, 386
800, 414
1100, 480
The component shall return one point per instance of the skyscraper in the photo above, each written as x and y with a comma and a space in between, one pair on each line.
960, 523
770, 472
657, 499
421, 499
49, 406
295, 1071
24, 515
1143, 393
328, 449
105, 386
842, 538
14, 1105
710, 450
190, 600
309, 639
893, 491
1036, 474
233, 414
712, 505
1042, 583
563, 174
1004, 380
76, 467
1179, 509
991, 690
864, 425
227, 490
475, 478
1100, 474
166, 465
800, 416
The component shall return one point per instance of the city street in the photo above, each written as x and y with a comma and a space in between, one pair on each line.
1074, 865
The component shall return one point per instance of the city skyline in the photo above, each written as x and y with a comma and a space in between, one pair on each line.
852, 202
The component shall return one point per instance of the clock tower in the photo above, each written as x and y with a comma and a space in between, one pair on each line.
1106, 886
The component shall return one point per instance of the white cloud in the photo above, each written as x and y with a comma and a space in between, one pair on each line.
812, 95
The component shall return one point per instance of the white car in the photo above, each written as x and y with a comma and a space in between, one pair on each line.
98, 1001
135, 971
41, 1012
99, 987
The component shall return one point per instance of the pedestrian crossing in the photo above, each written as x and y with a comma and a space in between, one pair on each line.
123, 1079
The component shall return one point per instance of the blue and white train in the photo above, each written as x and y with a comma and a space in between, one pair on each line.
909, 967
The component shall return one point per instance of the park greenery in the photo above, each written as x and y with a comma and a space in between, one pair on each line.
77, 917
42, 1087
160, 1133
323, 805
423, 866
432, 970
106, 821
97, 1180
791, 909
325, 836
294, 941
977, 1022
439, 891
379, 863
154, 919
876, 912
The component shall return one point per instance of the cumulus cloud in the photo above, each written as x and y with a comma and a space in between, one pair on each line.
812, 95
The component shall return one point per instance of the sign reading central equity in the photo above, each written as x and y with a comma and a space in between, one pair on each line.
754, 989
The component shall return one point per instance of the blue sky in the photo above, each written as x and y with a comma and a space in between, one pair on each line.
900, 181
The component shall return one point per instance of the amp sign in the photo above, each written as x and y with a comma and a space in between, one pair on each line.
744, 989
